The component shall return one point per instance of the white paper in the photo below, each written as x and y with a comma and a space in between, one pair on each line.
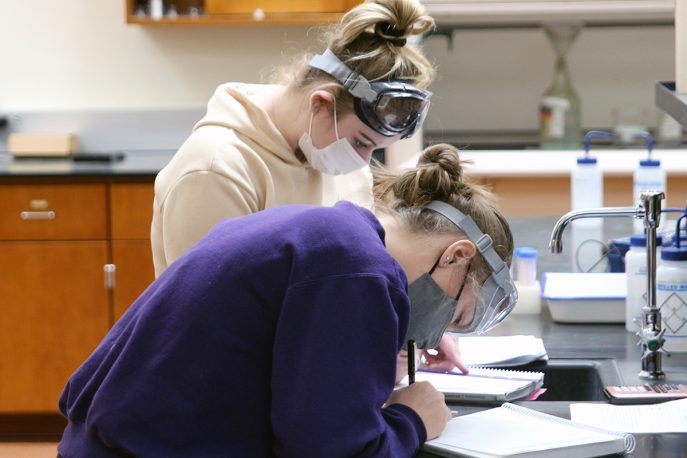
502, 351
667, 417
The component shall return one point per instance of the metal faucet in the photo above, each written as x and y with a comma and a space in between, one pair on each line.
650, 334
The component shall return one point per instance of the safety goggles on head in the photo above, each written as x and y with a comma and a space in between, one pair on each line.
389, 107
498, 295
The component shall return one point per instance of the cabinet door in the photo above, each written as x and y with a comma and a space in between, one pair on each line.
278, 6
134, 272
53, 313
131, 207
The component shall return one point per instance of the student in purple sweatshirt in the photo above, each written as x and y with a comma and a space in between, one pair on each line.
277, 334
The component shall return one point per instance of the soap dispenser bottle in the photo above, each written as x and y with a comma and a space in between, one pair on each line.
648, 176
586, 191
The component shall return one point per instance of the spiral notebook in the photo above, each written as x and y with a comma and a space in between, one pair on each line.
483, 384
516, 431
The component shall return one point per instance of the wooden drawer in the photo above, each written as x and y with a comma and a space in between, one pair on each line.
53, 212
132, 210
278, 6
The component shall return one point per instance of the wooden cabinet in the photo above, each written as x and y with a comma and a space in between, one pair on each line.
216, 12
56, 239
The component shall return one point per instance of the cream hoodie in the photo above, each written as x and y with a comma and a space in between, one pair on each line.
236, 162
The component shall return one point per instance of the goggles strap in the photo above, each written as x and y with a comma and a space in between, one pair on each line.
354, 82
482, 241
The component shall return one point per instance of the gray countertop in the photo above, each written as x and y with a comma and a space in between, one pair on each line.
134, 163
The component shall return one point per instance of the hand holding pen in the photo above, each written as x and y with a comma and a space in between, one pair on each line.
423, 398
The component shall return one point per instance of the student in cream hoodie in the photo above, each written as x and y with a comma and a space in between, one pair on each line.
308, 140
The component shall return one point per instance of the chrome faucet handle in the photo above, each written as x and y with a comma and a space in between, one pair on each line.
651, 341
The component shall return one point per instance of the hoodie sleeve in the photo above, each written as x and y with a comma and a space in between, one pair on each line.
197, 202
334, 367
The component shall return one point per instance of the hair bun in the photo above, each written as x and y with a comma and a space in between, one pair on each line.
389, 32
444, 156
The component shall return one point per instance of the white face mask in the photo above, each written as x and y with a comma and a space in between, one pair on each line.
334, 159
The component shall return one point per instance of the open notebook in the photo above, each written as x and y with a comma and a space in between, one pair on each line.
516, 431
483, 384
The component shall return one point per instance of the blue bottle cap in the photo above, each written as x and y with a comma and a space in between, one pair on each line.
640, 240
526, 252
674, 253
586, 160
649, 163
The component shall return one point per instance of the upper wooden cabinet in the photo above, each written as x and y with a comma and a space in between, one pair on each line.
217, 12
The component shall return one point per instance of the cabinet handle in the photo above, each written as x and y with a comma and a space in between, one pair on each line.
110, 271
37, 215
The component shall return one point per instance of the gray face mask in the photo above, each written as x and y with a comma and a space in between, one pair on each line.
431, 311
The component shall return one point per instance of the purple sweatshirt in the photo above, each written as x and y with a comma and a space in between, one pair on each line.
276, 335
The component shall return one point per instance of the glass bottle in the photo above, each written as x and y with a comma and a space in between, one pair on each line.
559, 108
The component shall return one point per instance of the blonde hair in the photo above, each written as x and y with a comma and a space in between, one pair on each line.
371, 40
439, 176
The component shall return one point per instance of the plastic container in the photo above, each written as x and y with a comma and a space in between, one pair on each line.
525, 275
585, 297
635, 272
671, 294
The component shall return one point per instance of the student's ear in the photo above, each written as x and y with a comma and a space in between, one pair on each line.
321, 99
458, 252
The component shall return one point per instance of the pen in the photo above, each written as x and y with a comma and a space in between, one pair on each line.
411, 362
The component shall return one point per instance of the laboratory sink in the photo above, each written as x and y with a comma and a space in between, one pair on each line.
576, 379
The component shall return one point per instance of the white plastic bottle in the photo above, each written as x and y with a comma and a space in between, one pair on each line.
525, 275
156, 9
671, 294
587, 185
635, 272
586, 191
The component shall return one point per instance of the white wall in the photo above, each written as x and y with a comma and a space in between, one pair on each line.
80, 54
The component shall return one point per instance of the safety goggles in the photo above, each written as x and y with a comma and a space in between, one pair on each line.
498, 295
388, 107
